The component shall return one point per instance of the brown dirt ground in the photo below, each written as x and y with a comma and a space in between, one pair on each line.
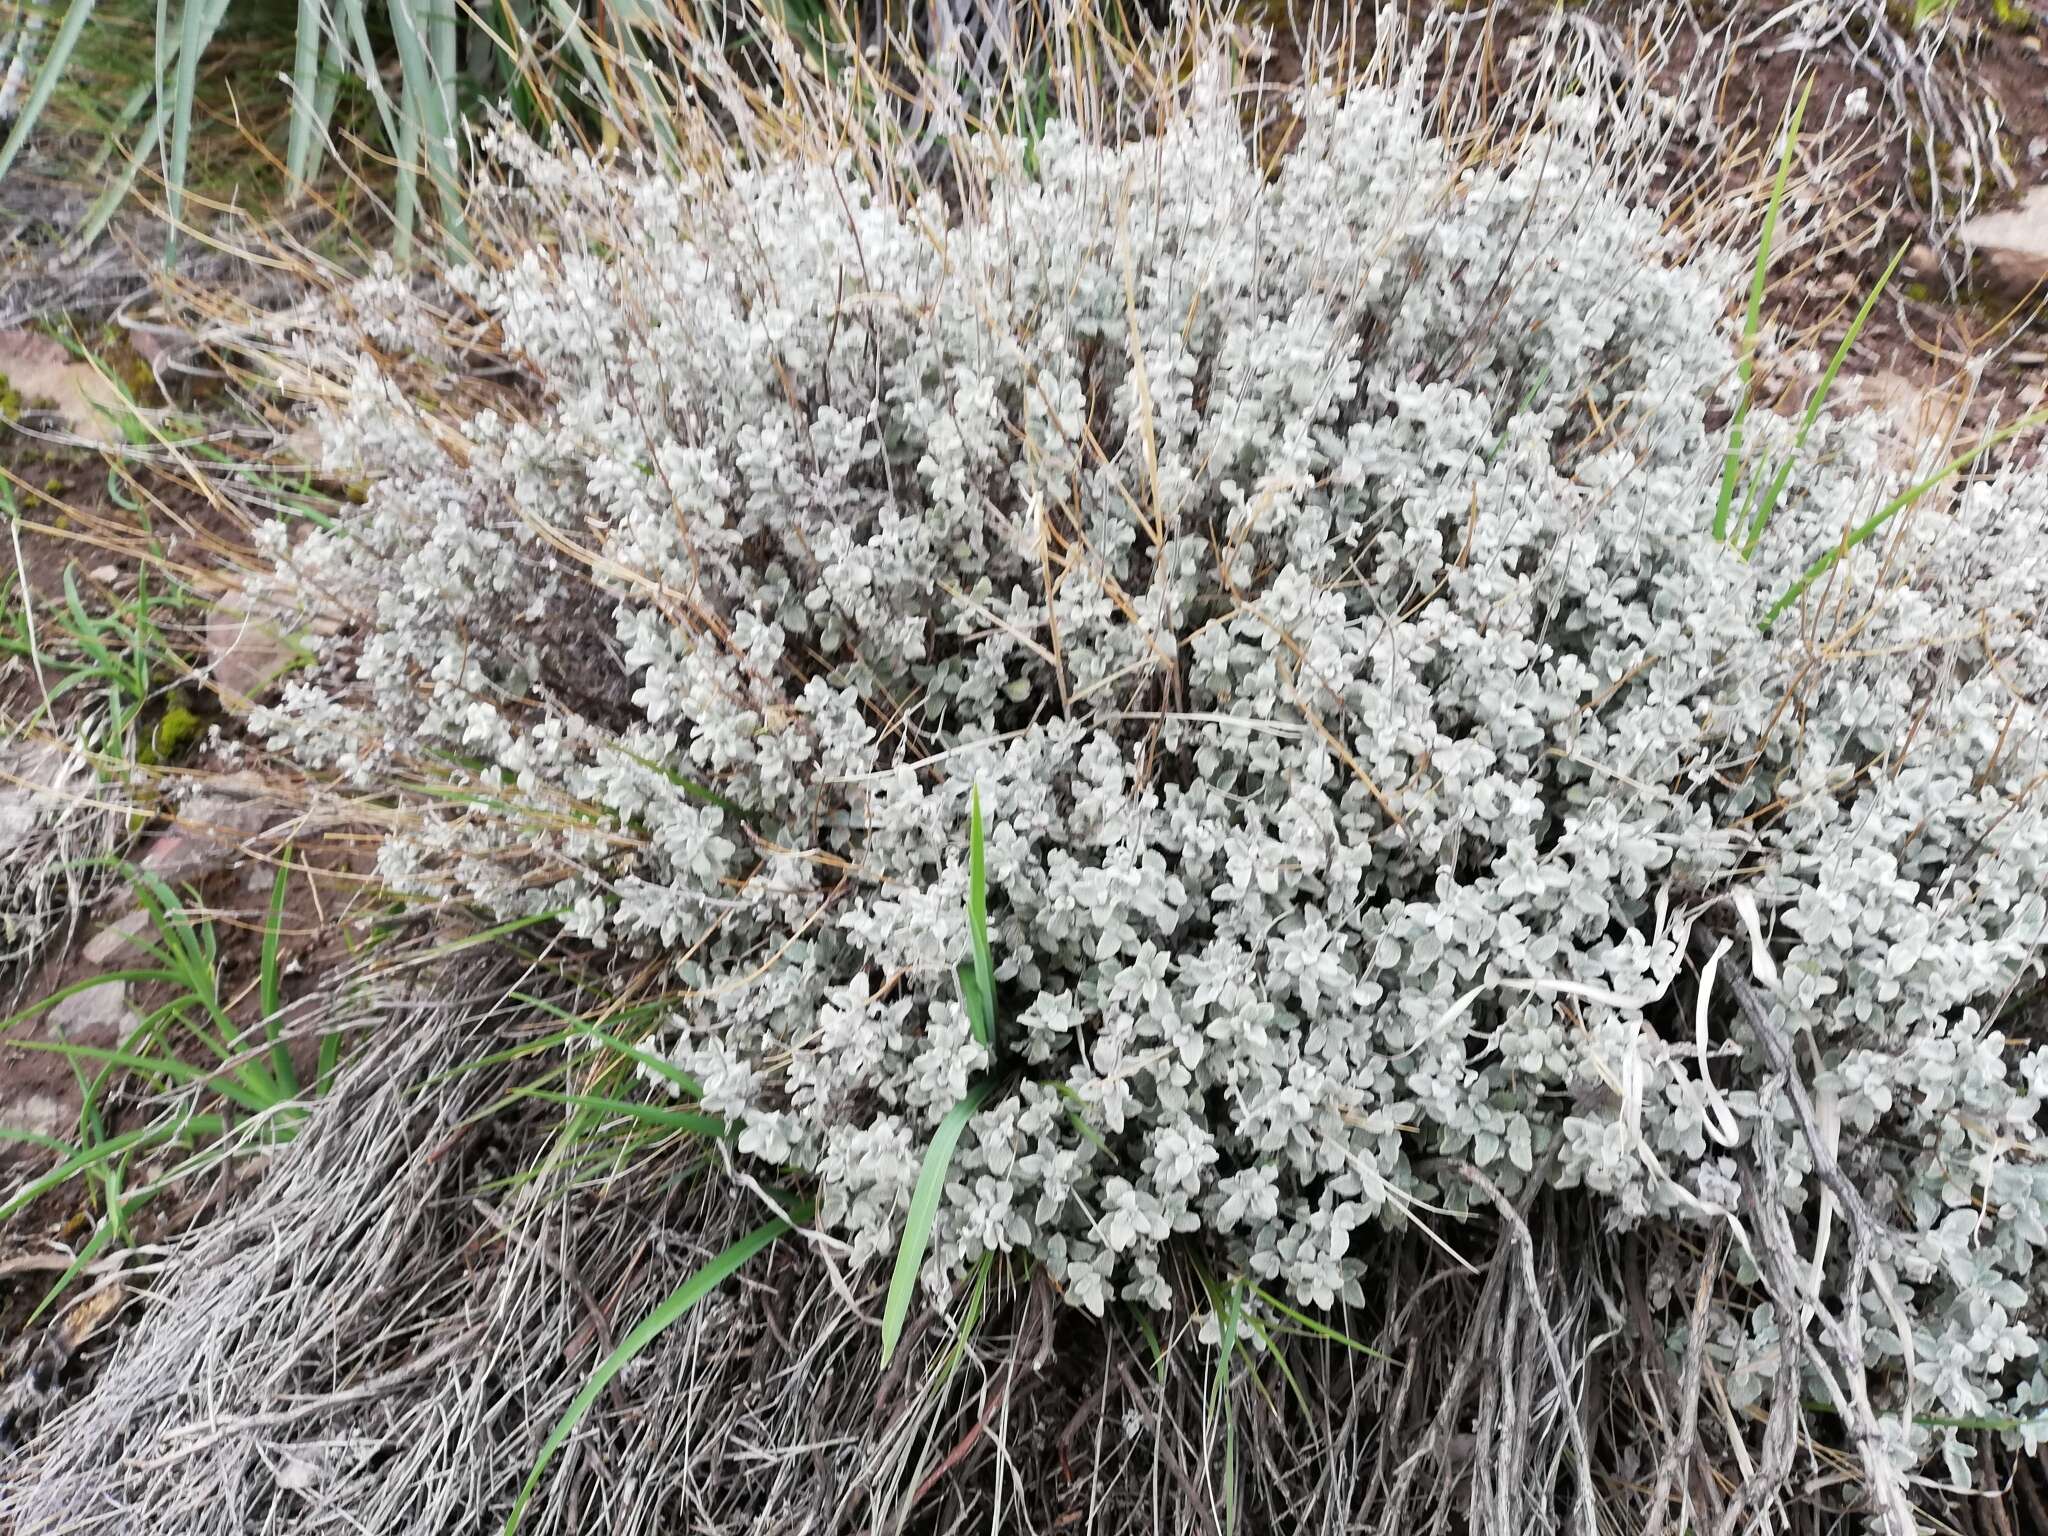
72, 516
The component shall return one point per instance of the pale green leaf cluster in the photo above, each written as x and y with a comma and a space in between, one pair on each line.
1315, 574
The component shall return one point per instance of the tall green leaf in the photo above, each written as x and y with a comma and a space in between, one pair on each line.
1762, 519
306, 125
984, 1020
426, 104
924, 1210
196, 26
1752, 323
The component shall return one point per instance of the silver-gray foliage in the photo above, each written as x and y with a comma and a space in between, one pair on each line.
1313, 573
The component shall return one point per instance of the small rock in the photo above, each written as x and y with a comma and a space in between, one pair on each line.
211, 829
19, 804
247, 648
95, 1014
2011, 246
43, 374
113, 942
36, 1114
154, 342
1921, 261
300, 1474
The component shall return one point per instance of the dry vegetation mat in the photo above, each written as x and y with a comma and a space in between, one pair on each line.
1180, 837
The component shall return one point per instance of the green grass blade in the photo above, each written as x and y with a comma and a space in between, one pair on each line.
1535, 384
633, 1109
1153, 1345
355, 56
105, 978
82, 1161
54, 63
330, 1060
688, 786
441, 150
1310, 1325
325, 92
498, 1058
125, 119
115, 192
672, 1310
655, 99
1752, 322
196, 26
1273, 1352
970, 1316
1227, 1322
971, 999
1075, 1105
86, 1256
424, 110
271, 981
578, 1025
356, 26
1227, 1303
167, 1067
1753, 318
306, 126
405, 200
491, 934
924, 1210
1762, 520
441, 51
1890, 510
570, 25
977, 927
37, 1139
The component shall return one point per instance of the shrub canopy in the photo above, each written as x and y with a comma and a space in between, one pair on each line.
1312, 572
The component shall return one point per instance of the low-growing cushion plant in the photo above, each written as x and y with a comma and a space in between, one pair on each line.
1389, 787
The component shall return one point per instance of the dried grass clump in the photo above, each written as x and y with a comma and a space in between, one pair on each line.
375, 1334
58, 827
